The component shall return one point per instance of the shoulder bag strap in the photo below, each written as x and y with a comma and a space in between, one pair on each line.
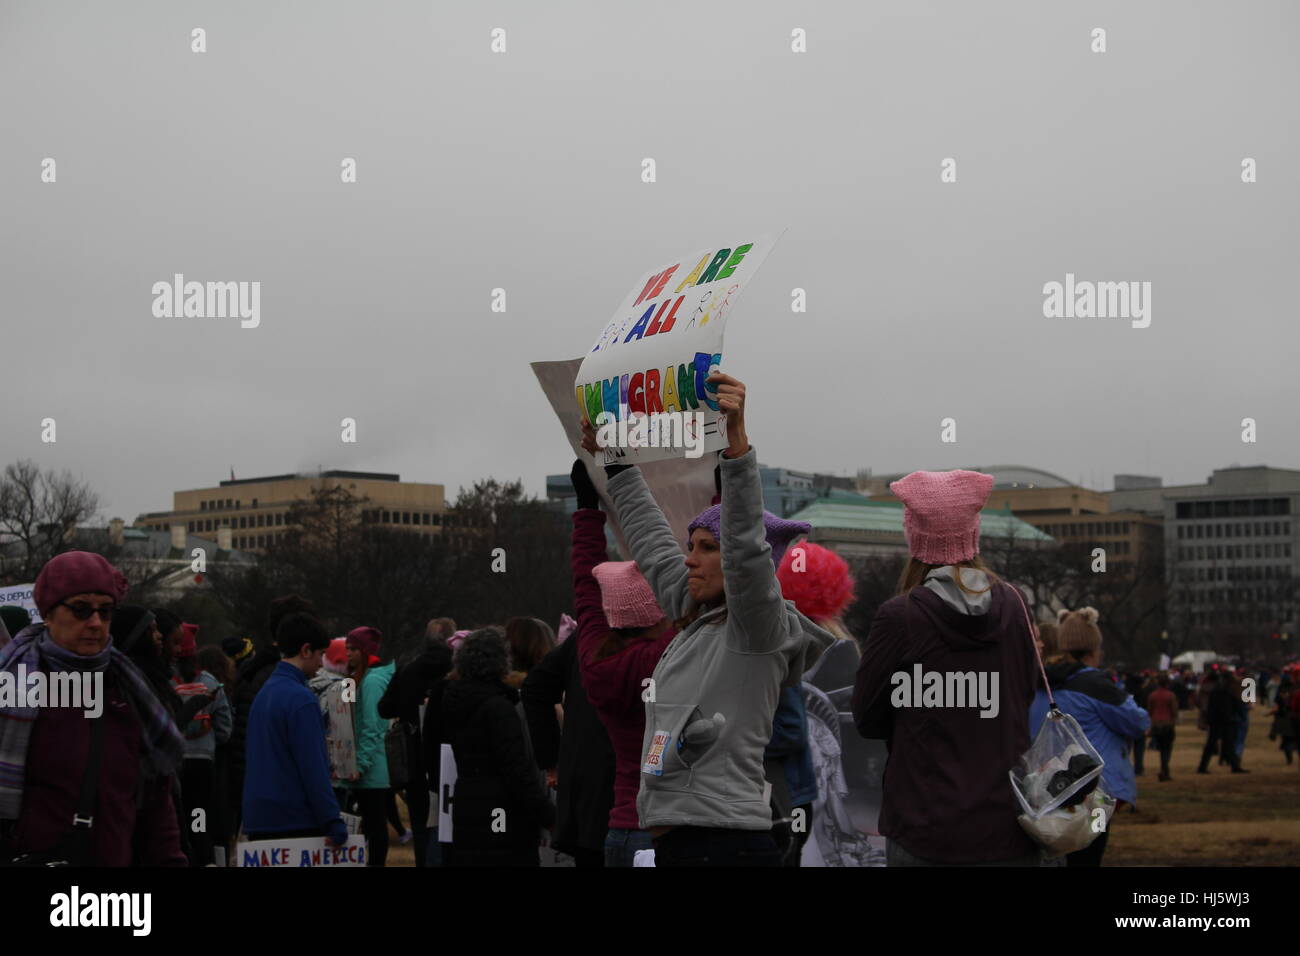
1033, 632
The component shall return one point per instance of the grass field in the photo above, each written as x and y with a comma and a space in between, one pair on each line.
1222, 819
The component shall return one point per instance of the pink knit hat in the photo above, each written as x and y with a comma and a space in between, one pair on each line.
625, 596
941, 513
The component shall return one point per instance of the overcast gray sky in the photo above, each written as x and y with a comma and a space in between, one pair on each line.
522, 171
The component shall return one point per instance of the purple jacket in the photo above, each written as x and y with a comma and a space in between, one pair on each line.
948, 797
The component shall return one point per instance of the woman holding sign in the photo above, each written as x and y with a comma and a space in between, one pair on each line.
711, 699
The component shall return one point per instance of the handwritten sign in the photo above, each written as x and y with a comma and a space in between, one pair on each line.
20, 595
301, 851
646, 373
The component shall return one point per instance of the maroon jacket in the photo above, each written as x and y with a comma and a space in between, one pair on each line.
613, 684
56, 760
947, 796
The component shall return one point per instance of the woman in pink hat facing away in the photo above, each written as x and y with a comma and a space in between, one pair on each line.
947, 675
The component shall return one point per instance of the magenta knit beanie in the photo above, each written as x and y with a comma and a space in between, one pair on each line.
365, 639
625, 596
941, 513
76, 572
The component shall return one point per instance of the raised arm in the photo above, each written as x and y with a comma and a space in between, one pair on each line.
755, 609
757, 618
654, 549
588, 551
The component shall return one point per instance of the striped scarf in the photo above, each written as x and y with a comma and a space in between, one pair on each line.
161, 747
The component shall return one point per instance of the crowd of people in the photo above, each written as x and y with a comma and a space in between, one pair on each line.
670, 715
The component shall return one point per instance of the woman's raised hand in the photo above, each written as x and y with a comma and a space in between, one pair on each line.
731, 401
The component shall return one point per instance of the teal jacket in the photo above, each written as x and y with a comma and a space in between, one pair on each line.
372, 759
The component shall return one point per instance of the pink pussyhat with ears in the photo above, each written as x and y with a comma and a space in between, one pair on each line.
625, 596
941, 513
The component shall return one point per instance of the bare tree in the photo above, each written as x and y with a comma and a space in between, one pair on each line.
38, 512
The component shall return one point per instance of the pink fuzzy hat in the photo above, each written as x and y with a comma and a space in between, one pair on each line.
817, 580
941, 513
625, 596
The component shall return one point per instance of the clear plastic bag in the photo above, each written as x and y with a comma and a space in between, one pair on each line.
1059, 768
1056, 781
1070, 829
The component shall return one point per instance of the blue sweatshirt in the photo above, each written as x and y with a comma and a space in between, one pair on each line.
287, 775
1108, 715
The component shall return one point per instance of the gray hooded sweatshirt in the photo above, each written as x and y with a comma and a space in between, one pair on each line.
716, 687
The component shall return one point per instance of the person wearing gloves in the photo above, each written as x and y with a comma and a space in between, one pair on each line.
371, 783
621, 634
709, 710
1108, 715
47, 754
947, 798
287, 789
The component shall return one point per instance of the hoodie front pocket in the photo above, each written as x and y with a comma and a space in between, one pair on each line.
664, 753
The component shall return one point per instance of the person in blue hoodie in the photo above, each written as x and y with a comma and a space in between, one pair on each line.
1108, 715
287, 789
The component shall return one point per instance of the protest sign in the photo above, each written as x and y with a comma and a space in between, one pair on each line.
20, 595
645, 377
446, 793
301, 851
340, 736
682, 486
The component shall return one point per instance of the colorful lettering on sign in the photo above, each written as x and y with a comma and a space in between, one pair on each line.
674, 388
638, 330
734, 261
655, 286
695, 274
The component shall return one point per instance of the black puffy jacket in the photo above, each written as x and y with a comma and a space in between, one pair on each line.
499, 804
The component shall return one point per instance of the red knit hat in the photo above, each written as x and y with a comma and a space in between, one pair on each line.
76, 572
941, 513
365, 639
336, 655
816, 579
625, 596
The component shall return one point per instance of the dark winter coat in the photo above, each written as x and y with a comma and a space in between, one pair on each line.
494, 773
401, 701
582, 754
249, 680
948, 797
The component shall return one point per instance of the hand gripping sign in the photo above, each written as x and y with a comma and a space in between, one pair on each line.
643, 383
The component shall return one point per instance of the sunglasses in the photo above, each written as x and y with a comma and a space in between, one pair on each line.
82, 612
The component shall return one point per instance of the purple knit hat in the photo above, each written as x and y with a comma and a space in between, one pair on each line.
779, 531
625, 596
941, 513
